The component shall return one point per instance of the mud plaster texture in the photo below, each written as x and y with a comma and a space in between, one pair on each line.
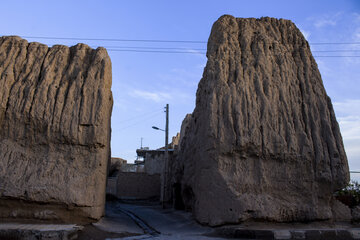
55, 113
263, 142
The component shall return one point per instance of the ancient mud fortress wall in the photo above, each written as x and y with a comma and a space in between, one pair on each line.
263, 142
55, 109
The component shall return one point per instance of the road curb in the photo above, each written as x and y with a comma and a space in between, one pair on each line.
291, 234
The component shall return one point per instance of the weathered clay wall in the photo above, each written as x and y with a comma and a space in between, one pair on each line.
55, 110
263, 142
131, 185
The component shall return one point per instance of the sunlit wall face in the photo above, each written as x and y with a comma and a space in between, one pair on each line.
150, 74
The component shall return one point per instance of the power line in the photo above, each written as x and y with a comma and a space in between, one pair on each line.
204, 49
114, 48
182, 49
336, 51
159, 48
142, 115
163, 40
338, 56
153, 51
140, 121
194, 52
190, 52
118, 40
336, 43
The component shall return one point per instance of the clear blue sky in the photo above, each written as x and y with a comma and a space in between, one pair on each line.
144, 82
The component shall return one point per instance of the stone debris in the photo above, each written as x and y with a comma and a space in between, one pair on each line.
55, 113
340, 212
263, 142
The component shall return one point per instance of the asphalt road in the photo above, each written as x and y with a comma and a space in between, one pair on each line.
150, 221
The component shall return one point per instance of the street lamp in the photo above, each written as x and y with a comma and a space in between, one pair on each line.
156, 128
166, 158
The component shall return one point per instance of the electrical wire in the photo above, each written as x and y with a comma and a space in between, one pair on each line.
336, 50
152, 48
163, 40
335, 43
141, 121
141, 115
177, 50
152, 51
338, 56
116, 39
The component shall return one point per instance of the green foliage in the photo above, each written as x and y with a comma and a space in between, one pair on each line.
350, 195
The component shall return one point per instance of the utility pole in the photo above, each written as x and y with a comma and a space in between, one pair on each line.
166, 159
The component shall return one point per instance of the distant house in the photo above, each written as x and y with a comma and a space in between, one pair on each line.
153, 160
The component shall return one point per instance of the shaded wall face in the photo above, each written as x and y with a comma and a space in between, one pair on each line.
55, 113
138, 185
263, 142
154, 163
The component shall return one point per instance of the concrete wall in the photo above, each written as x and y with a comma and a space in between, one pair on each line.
111, 186
154, 163
131, 185
129, 167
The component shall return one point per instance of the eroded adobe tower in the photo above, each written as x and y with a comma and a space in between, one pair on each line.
55, 109
263, 142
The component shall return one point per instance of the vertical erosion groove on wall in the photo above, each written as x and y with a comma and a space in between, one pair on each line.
55, 110
263, 142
